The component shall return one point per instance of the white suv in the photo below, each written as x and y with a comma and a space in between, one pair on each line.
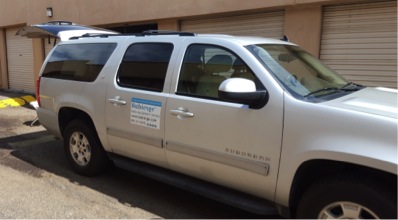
262, 118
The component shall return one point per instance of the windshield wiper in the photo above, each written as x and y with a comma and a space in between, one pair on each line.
334, 89
352, 86
349, 87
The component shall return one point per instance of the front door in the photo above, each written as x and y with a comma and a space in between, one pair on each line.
225, 143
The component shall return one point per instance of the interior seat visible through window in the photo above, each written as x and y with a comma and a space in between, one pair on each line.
208, 85
241, 70
205, 67
191, 72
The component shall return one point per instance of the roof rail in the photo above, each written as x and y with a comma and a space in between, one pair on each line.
58, 23
142, 34
165, 32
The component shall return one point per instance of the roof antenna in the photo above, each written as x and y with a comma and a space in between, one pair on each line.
285, 38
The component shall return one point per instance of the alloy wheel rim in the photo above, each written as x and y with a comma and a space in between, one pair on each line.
80, 148
346, 210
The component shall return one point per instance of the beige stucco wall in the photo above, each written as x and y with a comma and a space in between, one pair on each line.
120, 11
13, 12
38, 57
302, 17
303, 26
100, 12
169, 24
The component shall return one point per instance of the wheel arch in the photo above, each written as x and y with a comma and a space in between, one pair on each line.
67, 114
313, 171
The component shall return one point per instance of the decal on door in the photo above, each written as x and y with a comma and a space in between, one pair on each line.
145, 113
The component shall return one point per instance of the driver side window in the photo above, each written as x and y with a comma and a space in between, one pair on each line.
205, 67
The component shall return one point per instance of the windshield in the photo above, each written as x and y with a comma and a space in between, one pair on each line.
299, 72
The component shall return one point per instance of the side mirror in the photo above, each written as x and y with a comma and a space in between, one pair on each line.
242, 91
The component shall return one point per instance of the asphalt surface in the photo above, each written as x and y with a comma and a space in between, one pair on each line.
36, 181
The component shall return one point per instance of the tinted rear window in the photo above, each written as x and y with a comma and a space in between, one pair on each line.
144, 66
80, 62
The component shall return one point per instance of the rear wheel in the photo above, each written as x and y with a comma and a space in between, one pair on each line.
348, 198
83, 149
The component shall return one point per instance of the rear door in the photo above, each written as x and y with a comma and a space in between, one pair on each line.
136, 101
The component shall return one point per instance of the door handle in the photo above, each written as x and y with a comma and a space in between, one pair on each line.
117, 101
181, 112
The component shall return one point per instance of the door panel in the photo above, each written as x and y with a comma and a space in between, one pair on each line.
133, 130
225, 143
136, 103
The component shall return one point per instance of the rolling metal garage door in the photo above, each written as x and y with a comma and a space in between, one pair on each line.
269, 24
359, 41
19, 61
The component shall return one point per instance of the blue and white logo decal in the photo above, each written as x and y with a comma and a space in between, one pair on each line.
145, 113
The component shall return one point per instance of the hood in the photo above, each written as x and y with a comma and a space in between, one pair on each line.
61, 29
377, 101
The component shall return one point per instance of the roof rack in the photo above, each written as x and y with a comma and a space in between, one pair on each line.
165, 32
142, 34
58, 23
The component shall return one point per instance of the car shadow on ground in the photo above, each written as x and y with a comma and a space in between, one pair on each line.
38, 152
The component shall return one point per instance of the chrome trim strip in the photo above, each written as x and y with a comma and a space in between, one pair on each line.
149, 140
241, 163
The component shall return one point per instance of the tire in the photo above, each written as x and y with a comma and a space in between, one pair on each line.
84, 150
349, 198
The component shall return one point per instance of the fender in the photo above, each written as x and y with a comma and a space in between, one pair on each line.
333, 134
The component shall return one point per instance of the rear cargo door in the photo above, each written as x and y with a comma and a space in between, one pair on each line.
60, 29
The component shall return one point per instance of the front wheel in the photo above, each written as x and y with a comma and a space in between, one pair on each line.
83, 149
348, 198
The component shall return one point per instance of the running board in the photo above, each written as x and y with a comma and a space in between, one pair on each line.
212, 191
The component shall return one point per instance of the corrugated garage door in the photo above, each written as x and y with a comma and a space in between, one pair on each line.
269, 24
360, 42
19, 61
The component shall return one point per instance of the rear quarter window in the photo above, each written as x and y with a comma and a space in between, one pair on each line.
79, 62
